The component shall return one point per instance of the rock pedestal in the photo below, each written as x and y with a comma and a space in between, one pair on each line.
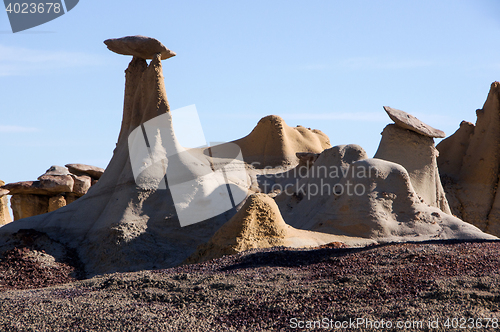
410, 143
5, 217
417, 154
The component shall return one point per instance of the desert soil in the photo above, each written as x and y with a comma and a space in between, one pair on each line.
453, 284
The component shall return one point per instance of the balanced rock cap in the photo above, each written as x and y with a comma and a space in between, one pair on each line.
139, 46
408, 121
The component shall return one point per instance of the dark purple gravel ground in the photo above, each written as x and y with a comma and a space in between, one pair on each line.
276, 290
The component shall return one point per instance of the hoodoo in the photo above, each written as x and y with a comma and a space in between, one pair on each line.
410, 143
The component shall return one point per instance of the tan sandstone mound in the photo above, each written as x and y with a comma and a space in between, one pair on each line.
139, 46
415, 152
471, 162
259, 224
383, 206
273, 143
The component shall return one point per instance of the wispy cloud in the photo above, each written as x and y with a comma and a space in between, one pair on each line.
24, 61
16, 129
369, 63
346, 116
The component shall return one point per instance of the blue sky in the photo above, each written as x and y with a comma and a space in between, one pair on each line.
329, 65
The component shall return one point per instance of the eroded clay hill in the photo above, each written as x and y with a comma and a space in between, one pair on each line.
273, 143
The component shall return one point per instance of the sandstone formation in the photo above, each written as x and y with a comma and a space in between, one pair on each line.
126, 223
417, 154
27, 205
5, 217
452, 151
134, 217
273, 143
259, 225
52, 190
139, 46
304, 191
471, 161
56, 202
384, 207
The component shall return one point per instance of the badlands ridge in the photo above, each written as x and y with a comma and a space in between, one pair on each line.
291, 188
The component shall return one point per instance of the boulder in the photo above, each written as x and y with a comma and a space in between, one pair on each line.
273, 143
417, 154
57, 183
82, 169
307, 157
71, 197
82, 184
138, 46
408, 121
26, 188
55, 170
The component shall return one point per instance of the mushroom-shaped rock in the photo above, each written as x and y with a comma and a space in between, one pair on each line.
139, 46
117, 225
408, 121
417, 154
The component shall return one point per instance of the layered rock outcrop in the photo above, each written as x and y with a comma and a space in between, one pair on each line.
56, 188
470, 164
